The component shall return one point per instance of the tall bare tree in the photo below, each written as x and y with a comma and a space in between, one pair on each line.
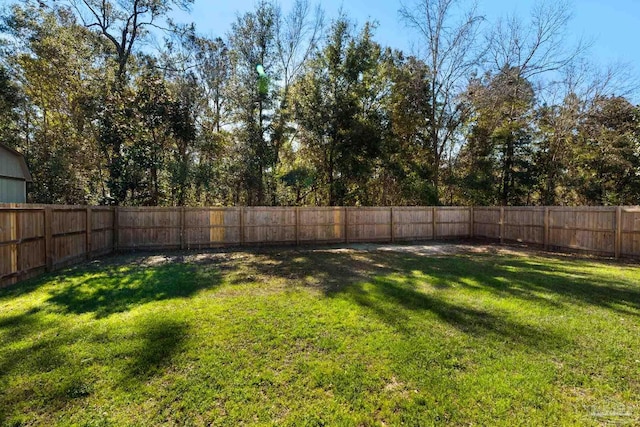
535, 47
297, 35
531, 51
124, 23
450, 37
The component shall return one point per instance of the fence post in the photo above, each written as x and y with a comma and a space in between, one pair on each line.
501, 224
471, 222
18, 229
545, 237
48, 239
393, 237
618, 231
116, 228
89, 231
241, 225
297, 225
434, 228
182, 242
346, 224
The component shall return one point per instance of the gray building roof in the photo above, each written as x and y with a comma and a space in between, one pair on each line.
12, 164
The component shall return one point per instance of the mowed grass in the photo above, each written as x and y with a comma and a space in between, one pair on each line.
324, 337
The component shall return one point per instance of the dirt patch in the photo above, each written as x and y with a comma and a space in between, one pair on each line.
240, 254
352, 257
430, 249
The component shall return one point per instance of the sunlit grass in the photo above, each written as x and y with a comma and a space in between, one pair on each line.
321, 337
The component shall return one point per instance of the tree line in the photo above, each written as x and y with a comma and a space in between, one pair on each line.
500, 113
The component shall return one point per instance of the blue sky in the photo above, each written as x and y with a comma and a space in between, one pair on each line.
612, 25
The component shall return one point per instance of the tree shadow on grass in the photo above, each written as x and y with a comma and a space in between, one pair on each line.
390, 285
35, 367
26, 287
327, 269
545, 281
40, 366
392, 300
117, 289
548, 281
158, 341
39, 369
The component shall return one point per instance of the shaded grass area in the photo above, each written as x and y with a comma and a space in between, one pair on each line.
324, 337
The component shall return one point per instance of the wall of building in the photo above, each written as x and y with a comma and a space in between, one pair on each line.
12, 190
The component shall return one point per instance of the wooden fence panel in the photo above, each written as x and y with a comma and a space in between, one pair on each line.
486, 222
30, 248
9, 249
35, 238
148, 228
269, 225
102, 242
33, 241
412, 223
68, 221
453, 222
68, 228
324, 225
587, 229
630, 231
368, 224
21, 243
101, 230
524, 224
9, 265
211, 227
31, 224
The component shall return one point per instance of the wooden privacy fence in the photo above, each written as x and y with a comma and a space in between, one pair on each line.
39, 238
189, 228
609, 231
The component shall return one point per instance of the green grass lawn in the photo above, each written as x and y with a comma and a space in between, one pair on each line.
324, 337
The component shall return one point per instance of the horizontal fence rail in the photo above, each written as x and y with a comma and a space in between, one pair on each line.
39, 238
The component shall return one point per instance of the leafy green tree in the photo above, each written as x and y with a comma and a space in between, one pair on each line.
338, 112
326, 119
500, 164
210, 69
121, 26
183, 128
11, 102
152, 139
607, 168
527, 52
56, 63
298, 34
124, 24
408, 155
556, 147
252, 42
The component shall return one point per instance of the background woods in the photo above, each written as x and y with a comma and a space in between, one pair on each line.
483, 113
